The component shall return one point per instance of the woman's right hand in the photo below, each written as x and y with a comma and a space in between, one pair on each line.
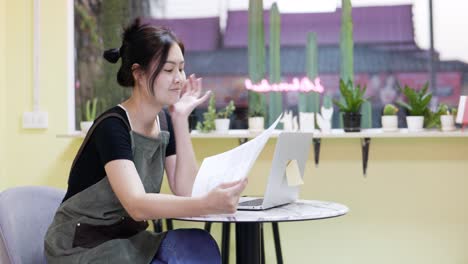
224, 198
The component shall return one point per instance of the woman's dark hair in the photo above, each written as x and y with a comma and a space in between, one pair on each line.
141, 44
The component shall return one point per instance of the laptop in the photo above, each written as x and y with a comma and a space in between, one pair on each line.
289, 146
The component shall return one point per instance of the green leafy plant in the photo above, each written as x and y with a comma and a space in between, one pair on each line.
90, 109
418, 101
227, 111
446, 110
390, 110
432, 119
256, 110
208, 117
87, 23
353, 97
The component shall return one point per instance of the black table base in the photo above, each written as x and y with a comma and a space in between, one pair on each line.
248, 243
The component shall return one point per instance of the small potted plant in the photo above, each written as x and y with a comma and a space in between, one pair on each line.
432, 119
417, 106
256, 118
222, 122
350, 106
209, 117
447, 117
390, 118
89, 115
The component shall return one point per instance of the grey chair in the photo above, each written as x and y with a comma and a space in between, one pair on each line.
25, 214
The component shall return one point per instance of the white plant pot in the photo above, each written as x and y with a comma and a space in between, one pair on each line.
447, 122
324, 121
307, 121
415, 123
85, 126
222, 124
390, 123
256, 123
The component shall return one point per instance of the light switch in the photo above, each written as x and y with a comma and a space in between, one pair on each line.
35, 120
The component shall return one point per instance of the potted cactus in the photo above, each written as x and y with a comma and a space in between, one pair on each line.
417, 106
390, 118
223, 120
353, 98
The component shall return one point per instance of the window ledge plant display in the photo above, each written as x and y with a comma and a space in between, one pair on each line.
210, 117
89, 116
390, 118
417, 106
353, 98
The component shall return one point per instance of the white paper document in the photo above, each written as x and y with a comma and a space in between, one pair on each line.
231, 165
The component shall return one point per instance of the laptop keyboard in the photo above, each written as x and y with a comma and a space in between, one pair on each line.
255, 202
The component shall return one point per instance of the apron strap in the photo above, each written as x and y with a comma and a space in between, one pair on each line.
93, 127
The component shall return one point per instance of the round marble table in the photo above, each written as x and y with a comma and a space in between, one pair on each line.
249, 223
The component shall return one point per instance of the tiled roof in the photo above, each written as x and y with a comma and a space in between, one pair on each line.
234, 61
200, 34
371, 25
383, 37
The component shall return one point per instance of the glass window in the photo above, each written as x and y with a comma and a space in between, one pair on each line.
391, 49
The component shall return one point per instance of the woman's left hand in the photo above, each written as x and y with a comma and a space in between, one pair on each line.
190, 98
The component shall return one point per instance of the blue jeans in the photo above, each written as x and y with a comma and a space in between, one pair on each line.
187, 246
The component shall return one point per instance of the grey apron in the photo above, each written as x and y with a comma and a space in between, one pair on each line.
93, 227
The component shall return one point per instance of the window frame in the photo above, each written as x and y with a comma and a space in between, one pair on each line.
71, 66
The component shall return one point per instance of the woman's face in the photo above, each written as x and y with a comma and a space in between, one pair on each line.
170, 81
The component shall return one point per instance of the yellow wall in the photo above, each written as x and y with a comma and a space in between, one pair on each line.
410, 208
34, 156
2, 87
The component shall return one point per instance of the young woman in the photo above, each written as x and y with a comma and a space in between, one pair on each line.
115, 179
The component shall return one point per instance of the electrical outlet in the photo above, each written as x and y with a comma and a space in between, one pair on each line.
36, 119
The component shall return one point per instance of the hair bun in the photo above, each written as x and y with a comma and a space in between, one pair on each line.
112, 55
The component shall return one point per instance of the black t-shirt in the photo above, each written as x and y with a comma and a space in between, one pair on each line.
109, 141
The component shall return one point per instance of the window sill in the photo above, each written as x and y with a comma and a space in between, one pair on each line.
334, 133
